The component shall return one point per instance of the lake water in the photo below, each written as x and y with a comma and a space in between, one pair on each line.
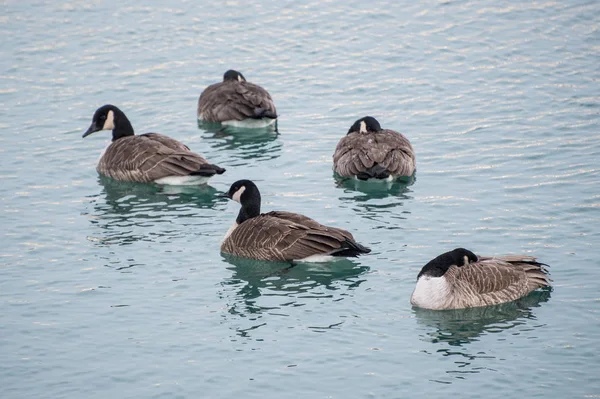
118, 290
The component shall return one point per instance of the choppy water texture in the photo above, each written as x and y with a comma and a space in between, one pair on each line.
118, 290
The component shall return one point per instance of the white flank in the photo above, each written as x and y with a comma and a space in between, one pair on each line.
237, 196
373, 179
430, 293
109, 123
233, 227
182, 180
319, 258
250, 123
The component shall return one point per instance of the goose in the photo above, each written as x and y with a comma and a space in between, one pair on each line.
150, 157
460, 279
282, 236
236, 102
370, 152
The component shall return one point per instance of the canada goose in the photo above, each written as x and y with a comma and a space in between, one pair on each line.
236, 102
150, 157
460, 279
368, 151
281, 236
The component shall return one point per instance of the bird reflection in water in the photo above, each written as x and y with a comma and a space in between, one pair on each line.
248, 144
455, 329
267, 288
381, 201
127, 212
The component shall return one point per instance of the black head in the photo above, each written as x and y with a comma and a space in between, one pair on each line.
233, 75
109, 117
246, 193
438, 266
364, 125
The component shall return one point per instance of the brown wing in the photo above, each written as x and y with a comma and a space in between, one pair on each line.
148, 157
233, 100
358, 152
283, 236
496, 280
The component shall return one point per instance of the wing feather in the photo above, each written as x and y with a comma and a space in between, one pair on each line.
232, 100
495, 280
284, 236
148, 157
357, 152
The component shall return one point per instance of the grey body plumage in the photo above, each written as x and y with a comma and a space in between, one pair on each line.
235, 99
368, 151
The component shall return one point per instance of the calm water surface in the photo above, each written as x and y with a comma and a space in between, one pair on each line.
112, 289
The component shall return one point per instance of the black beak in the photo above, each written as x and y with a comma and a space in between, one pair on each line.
223, 195
92, 129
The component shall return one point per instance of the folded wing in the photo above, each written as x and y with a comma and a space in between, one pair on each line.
286, 236
235, 101
356, 153
496, 280
151, 156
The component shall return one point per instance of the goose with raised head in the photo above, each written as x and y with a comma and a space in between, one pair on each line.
145, 158
237, 102
370, 152
282, 236
460, 279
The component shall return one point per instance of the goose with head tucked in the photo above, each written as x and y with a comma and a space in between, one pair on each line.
237, 102
460, 279
370, 152
282, 236
146, 158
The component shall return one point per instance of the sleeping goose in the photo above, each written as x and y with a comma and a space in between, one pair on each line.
460, 279
281, 236
236, 102
370, 152
150, 157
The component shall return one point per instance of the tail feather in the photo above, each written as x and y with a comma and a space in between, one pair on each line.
208, 170
537, 272
376, 171
351, 249
260, 113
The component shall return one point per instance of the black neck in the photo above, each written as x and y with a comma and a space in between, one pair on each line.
250, 209
122, 125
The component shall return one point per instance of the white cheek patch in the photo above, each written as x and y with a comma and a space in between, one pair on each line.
238, 194
240, 78
363, 127
466, 260
109, 123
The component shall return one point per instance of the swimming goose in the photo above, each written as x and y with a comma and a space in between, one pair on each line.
368, 151
150, 157
460, 279
236, 102
281, 236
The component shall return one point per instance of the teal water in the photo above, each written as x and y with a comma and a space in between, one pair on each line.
110, 289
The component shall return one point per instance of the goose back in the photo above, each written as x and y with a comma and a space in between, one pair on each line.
234, 100
359, 152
